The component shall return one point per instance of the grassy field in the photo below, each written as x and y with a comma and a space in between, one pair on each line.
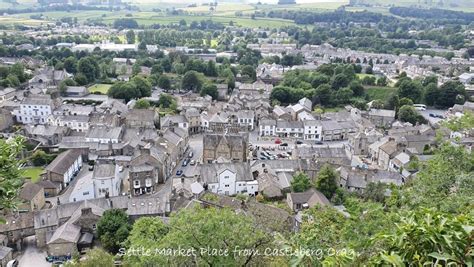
101, 88
33, 173
382, 93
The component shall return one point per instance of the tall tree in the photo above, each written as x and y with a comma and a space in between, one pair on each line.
113, 229
10, 172
211, 229
326, 181
300, 182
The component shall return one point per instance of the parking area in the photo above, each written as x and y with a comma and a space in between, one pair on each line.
433, 116
188, 166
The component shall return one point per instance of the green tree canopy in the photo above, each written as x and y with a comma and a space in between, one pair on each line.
113, 229
300, 182
326, 182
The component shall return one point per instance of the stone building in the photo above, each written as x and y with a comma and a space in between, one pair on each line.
225, 147
32, 196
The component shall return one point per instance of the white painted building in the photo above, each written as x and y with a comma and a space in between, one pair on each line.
107, 180
229, 178
35, 110
79, 123
294, 129
312, 130
267, 128
83, 189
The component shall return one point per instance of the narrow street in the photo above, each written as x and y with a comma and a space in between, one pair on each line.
32, 256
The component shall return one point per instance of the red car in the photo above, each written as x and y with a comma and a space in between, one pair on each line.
277, 141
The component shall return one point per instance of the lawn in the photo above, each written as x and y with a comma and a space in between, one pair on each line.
101, 88
363, 75
382, 93
33, 173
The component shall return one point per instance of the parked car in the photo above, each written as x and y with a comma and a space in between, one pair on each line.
319, 143
185, 163
191, 154
192, 163
299, 142
12, 263
284, 144
179, 173
277, 141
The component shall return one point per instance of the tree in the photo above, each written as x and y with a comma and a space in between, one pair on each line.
41, 158
319, 79
344, 95
340, 80
166, 101
410, 89
130, 35
405, 102
217, 230
449, 92
431, 94
124, 90
10, 172
142, 85
142, 104
94, 257
326, 182
408, 113
18, 70
300, 182
356, 88
382, 81
147, 232
164, 82
113, 229
249, 71
209, 89
89, 67
80, 79
427, 237
191, 81
322, 95
126, 23
211, 69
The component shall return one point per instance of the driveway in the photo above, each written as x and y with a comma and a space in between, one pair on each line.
32, 256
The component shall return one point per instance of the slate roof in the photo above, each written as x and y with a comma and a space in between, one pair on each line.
103, 132
29, 191
311, 197
210, 172
67, 232
104, 171
62, 162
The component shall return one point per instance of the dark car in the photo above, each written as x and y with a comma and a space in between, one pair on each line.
299, 142
179, 173
185, 163
284, 144
319, 143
